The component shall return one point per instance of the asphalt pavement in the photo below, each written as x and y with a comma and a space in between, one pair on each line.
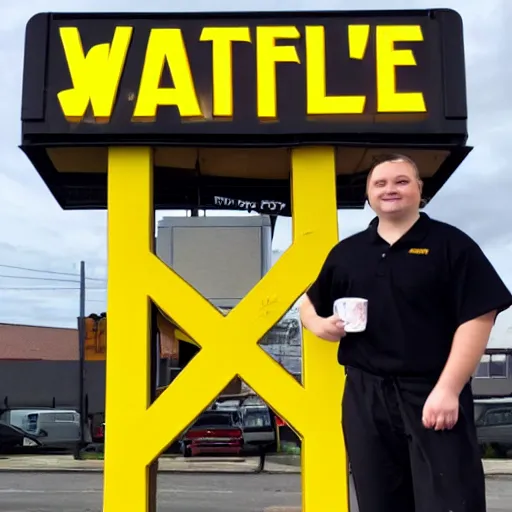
73, 492
82, 492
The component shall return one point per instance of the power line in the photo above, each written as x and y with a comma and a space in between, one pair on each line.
49, 272
44, 288
41, 278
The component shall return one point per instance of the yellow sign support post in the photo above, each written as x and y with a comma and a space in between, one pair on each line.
214, 111
228, 344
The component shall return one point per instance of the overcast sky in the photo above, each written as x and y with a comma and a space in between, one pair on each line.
36, 234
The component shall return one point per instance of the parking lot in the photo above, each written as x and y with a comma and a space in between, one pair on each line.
82, 492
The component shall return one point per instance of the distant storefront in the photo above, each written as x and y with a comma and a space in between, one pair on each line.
493, 377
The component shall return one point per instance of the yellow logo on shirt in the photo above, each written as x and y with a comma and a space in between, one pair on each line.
418, 251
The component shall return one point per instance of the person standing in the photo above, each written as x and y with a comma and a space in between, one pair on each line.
433, 297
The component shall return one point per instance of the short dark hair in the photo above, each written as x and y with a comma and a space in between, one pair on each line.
393, 157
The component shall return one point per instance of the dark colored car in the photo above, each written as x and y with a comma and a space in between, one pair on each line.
214, 432
494, 425
14, 438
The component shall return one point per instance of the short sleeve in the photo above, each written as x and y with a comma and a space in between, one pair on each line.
477, 287
320, 292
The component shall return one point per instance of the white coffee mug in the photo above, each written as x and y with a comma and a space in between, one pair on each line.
353, 312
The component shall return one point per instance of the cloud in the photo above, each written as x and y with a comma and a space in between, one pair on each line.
36, 234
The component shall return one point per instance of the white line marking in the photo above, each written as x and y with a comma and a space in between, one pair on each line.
53, 491
99, 491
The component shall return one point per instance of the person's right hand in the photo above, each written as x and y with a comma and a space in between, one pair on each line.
329, 329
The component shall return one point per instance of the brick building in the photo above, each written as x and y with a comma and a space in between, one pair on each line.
33, 343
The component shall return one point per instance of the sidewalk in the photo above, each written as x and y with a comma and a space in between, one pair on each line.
495, 467
491, 466
66, 463
274, 464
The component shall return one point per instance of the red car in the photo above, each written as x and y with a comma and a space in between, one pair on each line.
214, 432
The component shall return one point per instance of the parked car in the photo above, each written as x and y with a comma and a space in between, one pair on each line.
214, 432
258, 428
258, 424
98, 434
493, 418
13, 438
55, 428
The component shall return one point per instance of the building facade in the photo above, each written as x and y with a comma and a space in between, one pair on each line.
493, 377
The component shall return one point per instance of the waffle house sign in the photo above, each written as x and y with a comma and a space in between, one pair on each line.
236, 103
171, 52
107, 79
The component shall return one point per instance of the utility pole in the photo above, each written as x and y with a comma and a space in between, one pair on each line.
81, 361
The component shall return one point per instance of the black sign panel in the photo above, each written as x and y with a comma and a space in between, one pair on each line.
302, 77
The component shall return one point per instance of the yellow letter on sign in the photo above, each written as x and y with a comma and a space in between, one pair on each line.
95, 77
318, 101
222, 63
166, 46
229, 345
388, 100
267, 55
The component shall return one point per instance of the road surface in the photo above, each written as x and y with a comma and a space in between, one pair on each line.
46, 492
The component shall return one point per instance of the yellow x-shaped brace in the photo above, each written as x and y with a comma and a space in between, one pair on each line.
229, 345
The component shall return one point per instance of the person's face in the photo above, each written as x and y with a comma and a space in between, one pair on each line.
393, 189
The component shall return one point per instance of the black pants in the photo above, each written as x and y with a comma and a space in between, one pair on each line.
397, 464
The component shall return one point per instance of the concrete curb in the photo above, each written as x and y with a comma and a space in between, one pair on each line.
205, 467
60, 471
282, 509
278, 465
285, 460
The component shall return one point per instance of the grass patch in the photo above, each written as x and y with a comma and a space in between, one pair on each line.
288, 448
92, 456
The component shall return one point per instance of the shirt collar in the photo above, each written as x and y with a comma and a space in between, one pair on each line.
416, 233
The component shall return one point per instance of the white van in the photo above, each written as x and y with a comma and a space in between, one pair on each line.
56, 428
257, 425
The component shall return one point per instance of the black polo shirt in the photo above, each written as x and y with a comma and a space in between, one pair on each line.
419, 290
